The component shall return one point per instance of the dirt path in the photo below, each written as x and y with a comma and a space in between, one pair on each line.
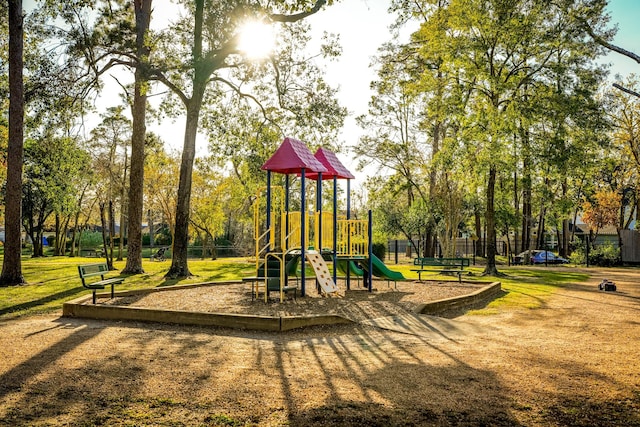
572, 362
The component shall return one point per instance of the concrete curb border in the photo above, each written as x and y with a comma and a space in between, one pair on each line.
80, 308
476, 299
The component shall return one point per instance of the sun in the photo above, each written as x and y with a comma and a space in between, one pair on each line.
256, 39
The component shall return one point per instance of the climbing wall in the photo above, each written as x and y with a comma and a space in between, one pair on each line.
322, 272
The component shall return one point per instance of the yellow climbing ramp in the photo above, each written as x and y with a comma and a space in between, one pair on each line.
322, 272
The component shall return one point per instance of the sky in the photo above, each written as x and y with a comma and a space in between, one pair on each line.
363, 26
625, 14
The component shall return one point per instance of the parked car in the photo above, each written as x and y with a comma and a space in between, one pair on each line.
538, 257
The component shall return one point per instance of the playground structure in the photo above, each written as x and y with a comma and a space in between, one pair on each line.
286, 240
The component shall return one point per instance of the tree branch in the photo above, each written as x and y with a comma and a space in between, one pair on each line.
276, 17
604, 43
157, 75
237, 90
625, 90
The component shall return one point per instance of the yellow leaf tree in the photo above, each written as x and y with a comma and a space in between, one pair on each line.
603, 211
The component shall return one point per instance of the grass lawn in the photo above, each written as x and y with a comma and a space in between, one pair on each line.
53, 280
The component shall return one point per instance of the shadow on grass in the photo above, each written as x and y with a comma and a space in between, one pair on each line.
64, 295
544, 277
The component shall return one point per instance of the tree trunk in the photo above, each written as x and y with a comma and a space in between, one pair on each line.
179, 265
30, 230
61, 235
122, 234
136, 177
541, 227
105, 246
526, 206
513, 250
478, 227
123, 211
430, 242
152, 228
564, 252
12, 261
74, 237
490, 222
112, 229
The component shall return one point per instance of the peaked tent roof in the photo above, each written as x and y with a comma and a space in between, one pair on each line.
291, 157
334, 167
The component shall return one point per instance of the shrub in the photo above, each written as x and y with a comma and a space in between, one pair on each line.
605, 256
91, 239
161, 238
577, 256
577, 249
379, 250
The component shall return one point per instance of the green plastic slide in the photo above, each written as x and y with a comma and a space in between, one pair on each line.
345, 266
379, 268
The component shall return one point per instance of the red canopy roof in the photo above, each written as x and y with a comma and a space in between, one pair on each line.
291, 157
334, 167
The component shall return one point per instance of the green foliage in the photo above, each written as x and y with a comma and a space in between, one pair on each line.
379, 250
52, 168
578, 256
491, 87
605, 255
162, 237
91, 239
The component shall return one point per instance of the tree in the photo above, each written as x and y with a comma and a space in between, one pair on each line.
12, 264
161, 179
595, 26
116, 36
211, 194
136, 182
52, 165
602, 211
397, 142
625, 119
109, 147
214, 28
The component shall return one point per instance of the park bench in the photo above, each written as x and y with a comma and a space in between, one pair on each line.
453, 266
98, 269
91, 252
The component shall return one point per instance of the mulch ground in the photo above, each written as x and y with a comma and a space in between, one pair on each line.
571, 362
356, 304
